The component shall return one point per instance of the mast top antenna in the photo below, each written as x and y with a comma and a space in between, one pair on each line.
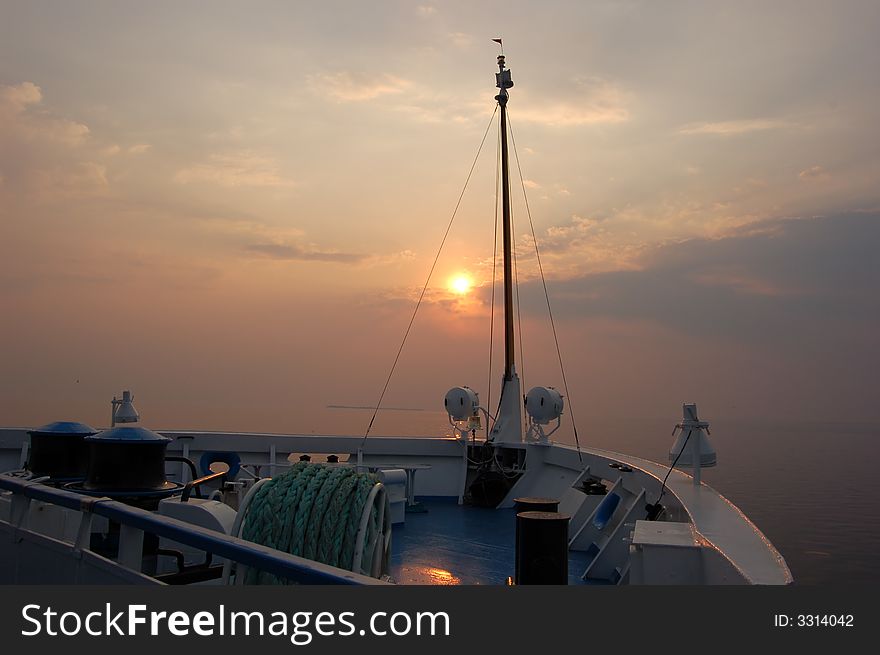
502, 80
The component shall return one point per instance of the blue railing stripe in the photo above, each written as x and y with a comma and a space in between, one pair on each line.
245, 552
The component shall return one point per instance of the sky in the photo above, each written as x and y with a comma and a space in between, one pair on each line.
231, 208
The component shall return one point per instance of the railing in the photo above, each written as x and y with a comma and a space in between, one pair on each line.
291, 567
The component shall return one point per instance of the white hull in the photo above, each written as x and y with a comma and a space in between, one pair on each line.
702, 539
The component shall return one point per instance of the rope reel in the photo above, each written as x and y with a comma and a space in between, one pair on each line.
329, 514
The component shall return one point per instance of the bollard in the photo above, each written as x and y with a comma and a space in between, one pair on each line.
533, 504
530, 504
541, 548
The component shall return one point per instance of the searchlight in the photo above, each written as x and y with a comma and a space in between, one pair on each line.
543, 405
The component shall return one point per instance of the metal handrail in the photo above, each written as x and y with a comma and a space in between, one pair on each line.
280, 564
188, 487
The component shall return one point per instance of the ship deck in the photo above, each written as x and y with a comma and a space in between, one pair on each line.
451, 544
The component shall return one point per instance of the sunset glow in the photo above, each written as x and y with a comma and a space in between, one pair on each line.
460, 284
233, 212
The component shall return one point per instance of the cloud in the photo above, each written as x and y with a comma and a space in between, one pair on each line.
584, 244
781, 320
235, 169
347, 86
461, 40
15, 99
438, 297
734, 128
394, 258
792, 278
294, 252
595, 101
20, 114
740, 282
813, 173
45, 156
426, 11
83, 178
137, 149
428, 108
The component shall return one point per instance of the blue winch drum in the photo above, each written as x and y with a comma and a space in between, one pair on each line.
58, 450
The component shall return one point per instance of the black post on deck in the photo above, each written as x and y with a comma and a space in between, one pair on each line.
541, 548
535, 504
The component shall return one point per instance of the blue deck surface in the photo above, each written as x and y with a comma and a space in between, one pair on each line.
451, 544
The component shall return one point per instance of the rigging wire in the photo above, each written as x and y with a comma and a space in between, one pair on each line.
546, 293
428, 280
522, 357
663, 486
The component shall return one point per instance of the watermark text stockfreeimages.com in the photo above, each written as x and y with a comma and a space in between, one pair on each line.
300, 627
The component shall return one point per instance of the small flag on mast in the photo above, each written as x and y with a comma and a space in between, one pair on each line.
498, 41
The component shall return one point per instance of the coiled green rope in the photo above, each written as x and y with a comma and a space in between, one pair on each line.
312, 511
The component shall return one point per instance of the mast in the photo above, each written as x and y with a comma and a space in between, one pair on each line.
507, 428
504, 82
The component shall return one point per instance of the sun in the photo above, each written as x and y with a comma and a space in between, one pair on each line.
460, 284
